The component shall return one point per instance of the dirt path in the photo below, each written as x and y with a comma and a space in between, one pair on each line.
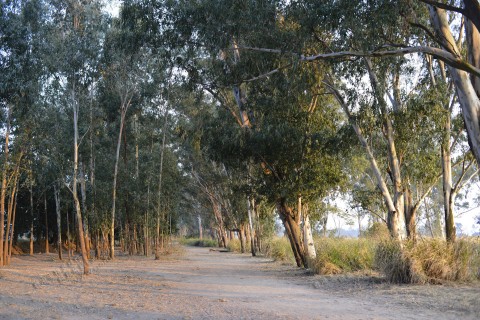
201, 284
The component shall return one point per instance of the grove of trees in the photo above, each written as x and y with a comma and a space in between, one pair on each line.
209, 116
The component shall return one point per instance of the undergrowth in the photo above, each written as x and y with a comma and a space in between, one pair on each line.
196, 242
429, 261
426, 261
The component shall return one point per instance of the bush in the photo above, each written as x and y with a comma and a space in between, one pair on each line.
340, 255
195, 242
279, 249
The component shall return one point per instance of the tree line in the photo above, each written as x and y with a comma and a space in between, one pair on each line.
182, 115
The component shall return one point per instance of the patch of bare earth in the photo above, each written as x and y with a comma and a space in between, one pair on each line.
203, 284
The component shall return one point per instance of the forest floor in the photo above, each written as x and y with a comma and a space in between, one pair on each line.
196, 283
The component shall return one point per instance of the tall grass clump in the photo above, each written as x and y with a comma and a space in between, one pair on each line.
339, 255
429, 261
196, 242
393, 261
234, 245
279, 249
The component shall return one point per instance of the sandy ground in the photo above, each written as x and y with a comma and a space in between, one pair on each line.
203, 284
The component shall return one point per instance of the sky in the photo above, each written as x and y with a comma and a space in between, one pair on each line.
113, 7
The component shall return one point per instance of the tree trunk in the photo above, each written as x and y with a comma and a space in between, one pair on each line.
393, 161
258, 230
69, 250
92, 182
393, 215
466, 89
241, 236
448, 183
56, 192
217, 211
114, 190
83, 191
290, 222
450, 229
147, 223
410, 216
31, 214
47, 248
308, 242
13, 228
81, 239
250, 206
4, 186
157, 239
162, 151
200, 228
11, 201
473, 49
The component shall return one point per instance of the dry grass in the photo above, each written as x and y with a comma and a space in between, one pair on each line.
429, 261
340, 255
279, 249
234, 245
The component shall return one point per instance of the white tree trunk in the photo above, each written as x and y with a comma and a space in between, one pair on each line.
114, 190
200, 228
308, 242
86, 267
467, 97
160, 175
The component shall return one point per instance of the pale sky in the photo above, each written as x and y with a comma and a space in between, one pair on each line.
112, 7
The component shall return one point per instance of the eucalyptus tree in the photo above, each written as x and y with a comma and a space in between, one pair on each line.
20, 62
76, 30
287, 109
134, 74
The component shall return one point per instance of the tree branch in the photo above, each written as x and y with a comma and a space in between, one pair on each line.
471, 9
444, 6
440, 54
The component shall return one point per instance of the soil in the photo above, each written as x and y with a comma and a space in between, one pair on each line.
197, 283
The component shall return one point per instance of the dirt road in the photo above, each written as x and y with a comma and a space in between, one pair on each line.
203, 284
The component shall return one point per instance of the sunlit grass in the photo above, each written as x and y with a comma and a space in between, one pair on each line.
426, 261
